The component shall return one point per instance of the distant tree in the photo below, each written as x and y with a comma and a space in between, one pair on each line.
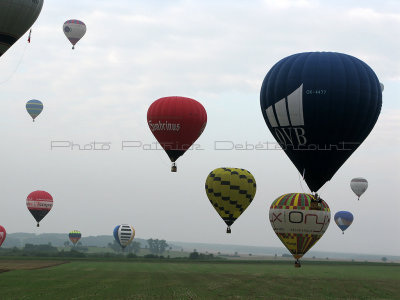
219, 253
197, 255
313, 257
157, 246
236, 253
66, 244
250, 254
276, 256
115, 246
384, 259
327, 258
133, 247
79, 244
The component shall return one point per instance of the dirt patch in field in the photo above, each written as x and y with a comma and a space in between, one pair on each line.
9, 265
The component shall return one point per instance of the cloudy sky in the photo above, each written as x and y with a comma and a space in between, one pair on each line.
217, 52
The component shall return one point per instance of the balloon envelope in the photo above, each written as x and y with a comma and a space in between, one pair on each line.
320, 106
343, 219
124, 234
39, 204
34, 108
359, 186
176, 122
74, 30
3, 234
74, 236
296, 223
16, 17
230, 191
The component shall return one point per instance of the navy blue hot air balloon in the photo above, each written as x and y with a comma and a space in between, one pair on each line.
34, 108
320, 106
343, 219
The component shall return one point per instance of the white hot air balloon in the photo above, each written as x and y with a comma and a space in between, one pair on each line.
16, 17
74, 30
359, 186
124, 234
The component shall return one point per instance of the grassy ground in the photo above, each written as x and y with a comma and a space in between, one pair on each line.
130, 279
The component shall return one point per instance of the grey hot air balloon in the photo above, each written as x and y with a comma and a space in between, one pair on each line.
359, 186
16, 17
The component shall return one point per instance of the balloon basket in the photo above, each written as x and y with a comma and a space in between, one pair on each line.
228, 230
37, 225
297, 264
173, 168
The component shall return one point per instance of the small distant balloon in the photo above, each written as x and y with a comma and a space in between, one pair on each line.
343, 219
34, 108
2, 234
75, 236
124, 234
39, 204
359, 185
74, 30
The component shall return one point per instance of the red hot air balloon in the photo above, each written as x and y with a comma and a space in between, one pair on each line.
176, 122
39, 204
2, 235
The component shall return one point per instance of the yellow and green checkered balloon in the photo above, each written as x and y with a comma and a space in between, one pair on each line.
230, 191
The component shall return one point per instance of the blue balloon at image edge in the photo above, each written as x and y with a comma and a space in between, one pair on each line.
320, 107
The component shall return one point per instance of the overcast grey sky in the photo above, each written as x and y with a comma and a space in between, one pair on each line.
218, 53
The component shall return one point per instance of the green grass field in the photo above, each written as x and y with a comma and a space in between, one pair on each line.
135, 279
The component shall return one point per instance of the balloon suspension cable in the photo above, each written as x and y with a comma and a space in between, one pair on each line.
16, 67
173, 167
301, 184
228, 229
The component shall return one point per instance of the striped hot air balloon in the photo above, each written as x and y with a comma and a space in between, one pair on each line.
3, 234
74, 30
39, 204
299, 220
230, 191
124, 234
75, 236
34, 108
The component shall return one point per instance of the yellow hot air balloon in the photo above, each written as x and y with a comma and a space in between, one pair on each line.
299, 220
230, 191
